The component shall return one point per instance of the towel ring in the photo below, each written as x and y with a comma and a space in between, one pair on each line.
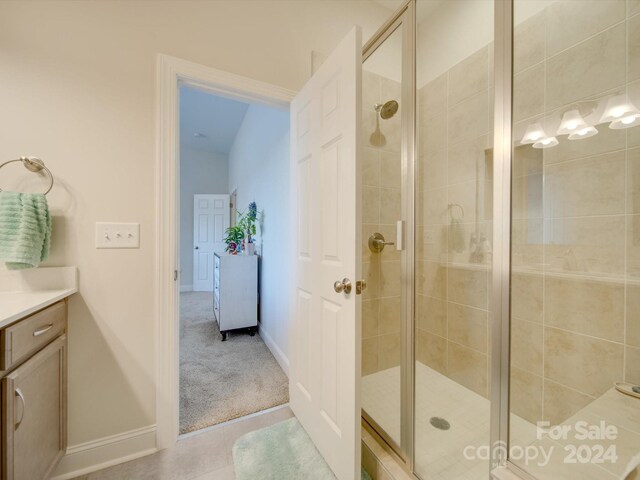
451, 207
32, 164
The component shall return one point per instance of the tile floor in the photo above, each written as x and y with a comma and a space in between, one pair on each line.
439, 453
199, 456
207, 455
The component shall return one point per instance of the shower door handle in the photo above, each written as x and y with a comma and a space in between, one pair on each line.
400, 235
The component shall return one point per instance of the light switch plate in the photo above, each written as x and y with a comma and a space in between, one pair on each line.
117, 235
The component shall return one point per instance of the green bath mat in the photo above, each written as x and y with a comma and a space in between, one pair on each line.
282, 451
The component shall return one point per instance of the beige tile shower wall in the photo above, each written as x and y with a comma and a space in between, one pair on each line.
576, 216
381, 210
575, 313
454, 125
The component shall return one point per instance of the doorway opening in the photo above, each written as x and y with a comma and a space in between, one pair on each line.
233, 196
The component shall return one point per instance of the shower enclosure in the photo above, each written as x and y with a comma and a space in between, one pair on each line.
501, 237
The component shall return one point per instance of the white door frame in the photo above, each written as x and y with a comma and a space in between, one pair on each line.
171, 72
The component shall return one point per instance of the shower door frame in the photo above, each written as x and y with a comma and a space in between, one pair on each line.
500, 308
403, 17
500, 305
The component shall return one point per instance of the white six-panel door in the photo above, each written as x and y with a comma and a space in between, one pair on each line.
210, 220
325, 362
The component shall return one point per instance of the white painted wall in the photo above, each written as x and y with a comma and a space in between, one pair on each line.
78, 89
200, 172
259, 171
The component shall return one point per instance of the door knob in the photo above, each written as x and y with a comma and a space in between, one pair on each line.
342, 286
196, 248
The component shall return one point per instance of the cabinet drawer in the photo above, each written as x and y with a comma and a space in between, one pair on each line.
27, 336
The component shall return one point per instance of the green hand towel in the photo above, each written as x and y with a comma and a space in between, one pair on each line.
25, 229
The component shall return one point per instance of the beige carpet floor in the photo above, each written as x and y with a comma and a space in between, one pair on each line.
220, 381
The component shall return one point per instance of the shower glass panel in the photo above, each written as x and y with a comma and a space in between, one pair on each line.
575, 301
454, 124
382, 303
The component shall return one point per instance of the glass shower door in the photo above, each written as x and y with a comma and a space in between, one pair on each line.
575, 273
454, 63
384, 300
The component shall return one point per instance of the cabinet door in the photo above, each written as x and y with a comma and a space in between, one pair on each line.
34, 414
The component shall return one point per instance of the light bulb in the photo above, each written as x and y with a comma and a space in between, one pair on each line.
546, 142
617, 112
584, 133
625, 122
532, 134
571, 121
618, 107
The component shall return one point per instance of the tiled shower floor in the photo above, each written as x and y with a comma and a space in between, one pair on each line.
439, 453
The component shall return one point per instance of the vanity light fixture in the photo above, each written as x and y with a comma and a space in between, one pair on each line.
572, 122
546, 142
627, 121
534, 133
585, 132
620, 112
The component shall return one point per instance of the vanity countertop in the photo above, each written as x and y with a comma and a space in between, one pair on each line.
24, 292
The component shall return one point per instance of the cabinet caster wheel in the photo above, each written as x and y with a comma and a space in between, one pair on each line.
224, 336
252, 332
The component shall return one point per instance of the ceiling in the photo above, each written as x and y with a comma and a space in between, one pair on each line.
215, 117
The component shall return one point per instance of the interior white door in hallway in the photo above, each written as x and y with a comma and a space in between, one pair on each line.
324, 382
210, 220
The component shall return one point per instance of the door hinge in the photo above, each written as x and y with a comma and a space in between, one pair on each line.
175, 275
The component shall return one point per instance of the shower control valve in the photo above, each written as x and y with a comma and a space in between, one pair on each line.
377, 243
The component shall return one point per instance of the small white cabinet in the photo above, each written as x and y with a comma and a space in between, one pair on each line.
235, 292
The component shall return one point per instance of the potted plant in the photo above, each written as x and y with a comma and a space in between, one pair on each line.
247, 222
250, 219
241, 235
233, 238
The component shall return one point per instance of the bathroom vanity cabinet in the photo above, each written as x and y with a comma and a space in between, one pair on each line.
34, 393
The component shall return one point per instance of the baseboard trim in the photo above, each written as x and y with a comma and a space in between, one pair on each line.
105, 452
186, 288
279, 355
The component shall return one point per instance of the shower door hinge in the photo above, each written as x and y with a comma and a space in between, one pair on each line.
175, 275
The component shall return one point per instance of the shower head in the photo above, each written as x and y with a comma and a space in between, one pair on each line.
386, 110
